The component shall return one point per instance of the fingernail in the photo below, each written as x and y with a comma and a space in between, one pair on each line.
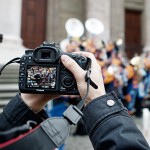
64, 58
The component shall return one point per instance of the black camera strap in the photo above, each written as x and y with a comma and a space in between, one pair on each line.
15, 60
89, 82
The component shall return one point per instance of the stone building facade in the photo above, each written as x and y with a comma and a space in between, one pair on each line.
111, 13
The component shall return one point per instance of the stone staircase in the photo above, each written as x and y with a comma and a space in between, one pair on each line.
8, 84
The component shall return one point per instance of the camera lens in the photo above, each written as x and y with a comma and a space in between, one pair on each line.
68, 81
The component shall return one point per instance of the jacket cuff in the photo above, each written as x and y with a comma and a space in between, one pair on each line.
101, 108
18, 113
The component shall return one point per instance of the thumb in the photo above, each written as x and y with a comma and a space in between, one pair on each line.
73, 67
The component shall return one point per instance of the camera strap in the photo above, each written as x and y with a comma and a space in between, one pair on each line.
15, 60
54, 131
89, 82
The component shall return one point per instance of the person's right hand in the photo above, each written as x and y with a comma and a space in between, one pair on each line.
79, 74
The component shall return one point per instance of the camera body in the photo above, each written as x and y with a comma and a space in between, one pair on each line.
41, 71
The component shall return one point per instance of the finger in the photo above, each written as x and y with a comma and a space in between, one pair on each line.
91, 56
72, 66
86, 54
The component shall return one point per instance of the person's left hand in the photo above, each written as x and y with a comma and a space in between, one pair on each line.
37, 101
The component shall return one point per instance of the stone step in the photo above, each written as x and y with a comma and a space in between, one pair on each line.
10, 70
8, 81
13, 65
8, 88
9, 75
8, 84
7, 95
4, 102
6, 76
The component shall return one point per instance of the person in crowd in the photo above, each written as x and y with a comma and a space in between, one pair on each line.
106, 120
146, 79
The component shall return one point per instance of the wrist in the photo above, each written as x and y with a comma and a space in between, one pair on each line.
93, 95
33, 101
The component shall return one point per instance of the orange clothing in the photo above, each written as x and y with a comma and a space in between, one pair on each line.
130, 71
108, 78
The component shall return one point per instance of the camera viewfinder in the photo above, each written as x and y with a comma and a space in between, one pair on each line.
46, 55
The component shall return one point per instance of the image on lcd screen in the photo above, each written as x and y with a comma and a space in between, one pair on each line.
41, 77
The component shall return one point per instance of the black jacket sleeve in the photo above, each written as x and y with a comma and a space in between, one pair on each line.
17, 113
110, 127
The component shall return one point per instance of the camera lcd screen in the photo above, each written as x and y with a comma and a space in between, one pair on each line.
41, 77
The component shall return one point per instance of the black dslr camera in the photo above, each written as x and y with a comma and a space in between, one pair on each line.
41, 71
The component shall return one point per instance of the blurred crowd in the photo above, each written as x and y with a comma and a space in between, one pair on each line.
130, 78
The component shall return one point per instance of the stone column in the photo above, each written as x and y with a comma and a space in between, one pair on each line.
117, 19
100, 9
57, 15
146, 26
10, 27
53, 18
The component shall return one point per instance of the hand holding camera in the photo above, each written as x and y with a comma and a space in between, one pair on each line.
41, 71
48, 72
79, 75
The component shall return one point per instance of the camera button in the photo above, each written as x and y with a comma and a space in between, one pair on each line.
24, 58
67, 81
30, 58
82, 58
21, 84
21, 74
22, 63
22, 68
21, 79
79, 57
73, 55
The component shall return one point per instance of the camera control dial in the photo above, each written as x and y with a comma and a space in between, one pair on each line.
68, 81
